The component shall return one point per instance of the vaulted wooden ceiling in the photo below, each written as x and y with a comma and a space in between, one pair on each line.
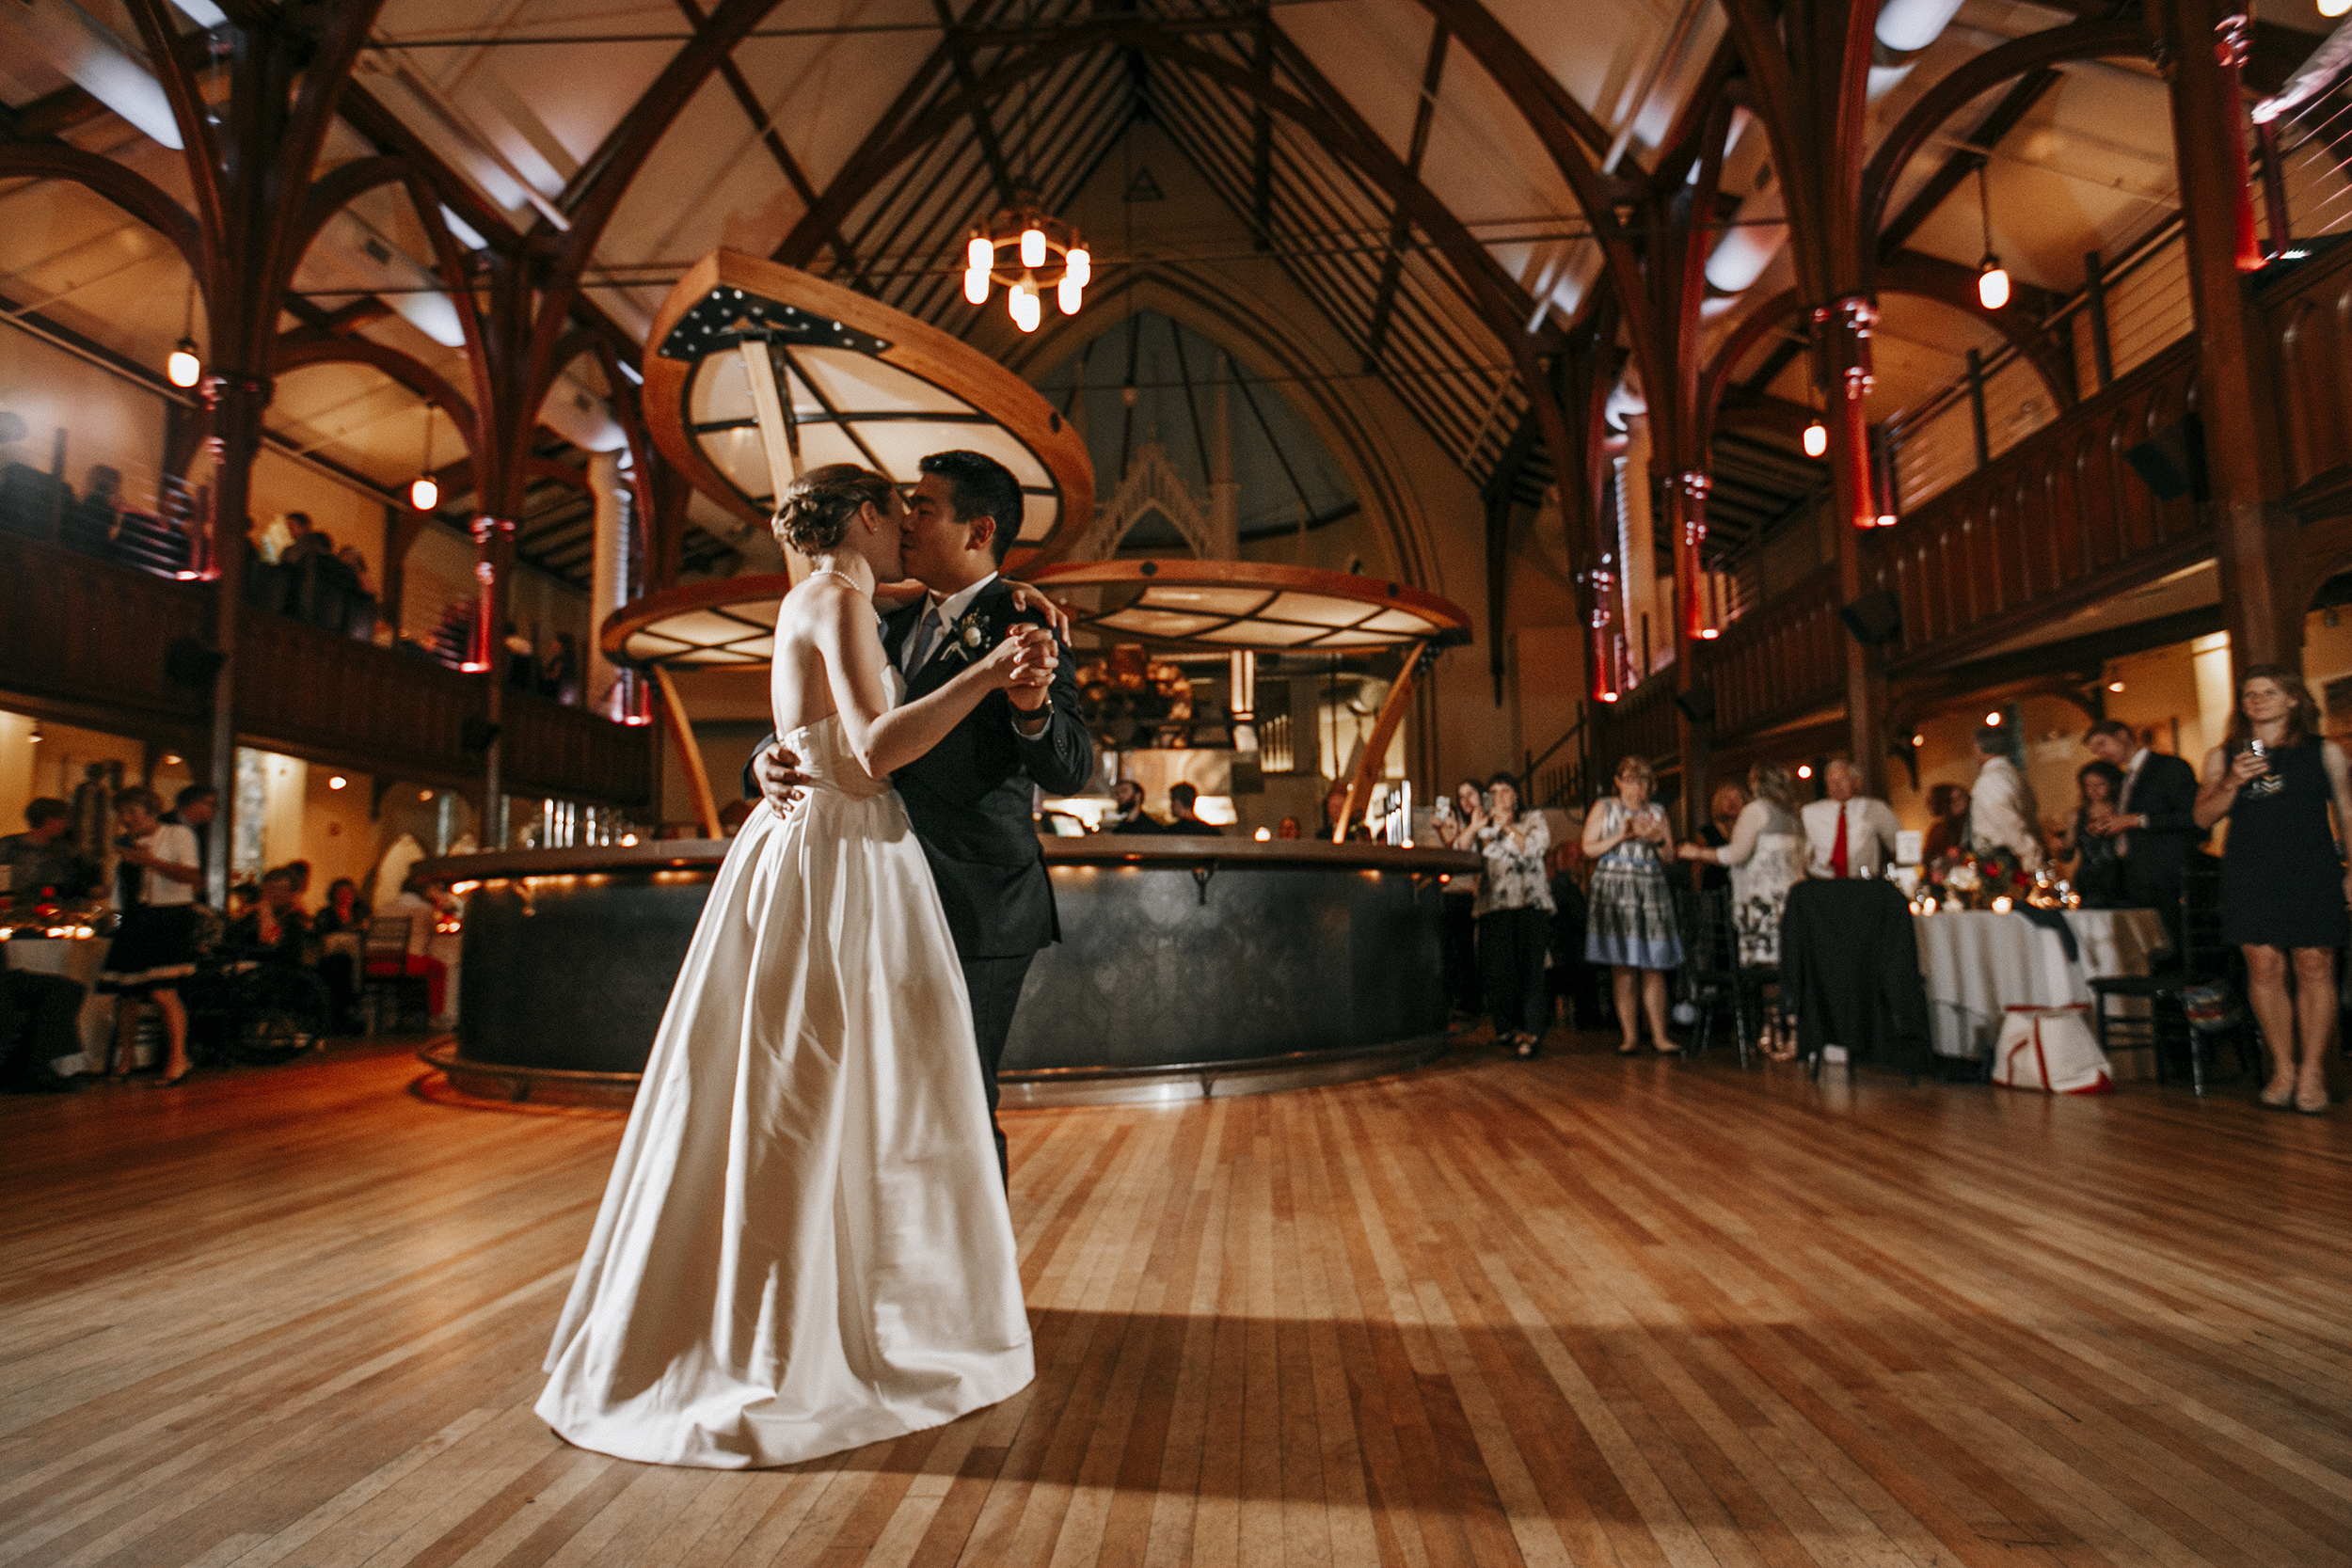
1396, 157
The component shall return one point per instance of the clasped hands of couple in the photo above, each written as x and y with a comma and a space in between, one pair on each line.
1022, 666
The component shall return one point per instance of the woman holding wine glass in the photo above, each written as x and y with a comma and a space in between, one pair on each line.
2285, 890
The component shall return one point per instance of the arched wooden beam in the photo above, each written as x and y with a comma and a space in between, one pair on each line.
103, 177
1950, 283
2077, 41
1753, 329
411, 374
337, 189
458, 478
594, 193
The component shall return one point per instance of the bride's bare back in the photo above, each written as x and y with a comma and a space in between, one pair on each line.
825, 611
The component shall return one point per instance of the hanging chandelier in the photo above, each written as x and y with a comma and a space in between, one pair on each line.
1044, 252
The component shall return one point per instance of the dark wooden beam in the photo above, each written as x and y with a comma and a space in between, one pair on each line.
1400, 226
1262, 131
958, 50
732, 74
2015, 104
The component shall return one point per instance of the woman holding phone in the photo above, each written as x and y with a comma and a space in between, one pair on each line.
1630, 924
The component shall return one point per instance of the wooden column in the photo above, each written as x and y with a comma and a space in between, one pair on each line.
1842, 331
235, 403
493, 565
1686, 494
2264, 612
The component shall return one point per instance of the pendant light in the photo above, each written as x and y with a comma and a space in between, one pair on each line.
184, 370
1816, 433
426, 494
1991, 277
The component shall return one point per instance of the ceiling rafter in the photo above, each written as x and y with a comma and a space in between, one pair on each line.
732, 74
1400, 226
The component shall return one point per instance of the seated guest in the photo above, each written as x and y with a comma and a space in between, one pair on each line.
42, 856
1181, 815
346, 910
1334, 807
1130, 818
38, 1025
416, 904
1947, 826
2098, 874
2152, 821
1287, 827
30, 500
1851, 833
2002, 815
273, 930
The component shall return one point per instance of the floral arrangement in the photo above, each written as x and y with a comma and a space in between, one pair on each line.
1967, 880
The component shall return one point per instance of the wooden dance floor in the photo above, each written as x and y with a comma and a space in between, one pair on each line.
1578, 1311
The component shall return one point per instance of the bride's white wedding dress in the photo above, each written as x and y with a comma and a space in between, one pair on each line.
803, 1247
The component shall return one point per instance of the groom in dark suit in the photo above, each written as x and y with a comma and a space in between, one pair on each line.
2150, 822
970, 797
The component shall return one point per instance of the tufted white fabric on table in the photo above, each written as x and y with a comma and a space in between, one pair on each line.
1977, 962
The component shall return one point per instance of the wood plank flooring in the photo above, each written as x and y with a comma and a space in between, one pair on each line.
1575, 1311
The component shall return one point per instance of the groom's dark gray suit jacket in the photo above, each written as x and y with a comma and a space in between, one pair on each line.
969, 796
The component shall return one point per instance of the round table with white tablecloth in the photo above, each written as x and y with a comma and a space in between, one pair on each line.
79, 960
1977, 962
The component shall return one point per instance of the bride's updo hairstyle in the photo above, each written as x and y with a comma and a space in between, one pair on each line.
817, 506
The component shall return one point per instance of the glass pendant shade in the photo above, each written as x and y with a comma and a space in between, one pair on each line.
184, 369
1069, 294
1023, 303
1816, 438
1993, 281
975, 285
979, 255
425, 495
1033, 246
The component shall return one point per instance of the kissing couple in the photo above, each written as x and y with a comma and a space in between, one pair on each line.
804, 1244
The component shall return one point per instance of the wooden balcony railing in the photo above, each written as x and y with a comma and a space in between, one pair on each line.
90, 640
2307, 320
1781, 660
2057, 521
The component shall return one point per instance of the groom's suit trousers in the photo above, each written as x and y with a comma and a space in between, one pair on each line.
995, 985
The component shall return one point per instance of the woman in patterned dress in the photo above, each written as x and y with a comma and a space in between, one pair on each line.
1766, 856
1514, 911
1630, 920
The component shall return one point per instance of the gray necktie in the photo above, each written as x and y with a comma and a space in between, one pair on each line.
925, 635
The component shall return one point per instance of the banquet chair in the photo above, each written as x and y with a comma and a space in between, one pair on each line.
386, 976
1712, 980
2203, 958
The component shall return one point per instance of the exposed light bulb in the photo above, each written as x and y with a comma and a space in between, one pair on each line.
1992, 718
1805, 770
1023, 303
1886, 519
1993, 281
425, 495
975, 285
2117, 686
184, 369
981, 254
1081, 261
1069, 294
337, 782
1816, 438
1033, 246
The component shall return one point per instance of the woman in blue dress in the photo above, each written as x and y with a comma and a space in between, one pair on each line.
1631, 921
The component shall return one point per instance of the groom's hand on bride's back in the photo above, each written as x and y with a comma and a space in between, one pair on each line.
777, 773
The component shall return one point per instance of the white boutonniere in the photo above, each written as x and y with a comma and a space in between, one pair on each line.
971, 637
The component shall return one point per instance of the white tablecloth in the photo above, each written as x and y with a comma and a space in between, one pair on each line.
79, 960
1978, 963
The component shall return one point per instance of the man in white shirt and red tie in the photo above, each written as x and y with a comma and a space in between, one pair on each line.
1849, 835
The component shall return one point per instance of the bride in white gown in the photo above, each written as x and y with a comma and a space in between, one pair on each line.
804, 1245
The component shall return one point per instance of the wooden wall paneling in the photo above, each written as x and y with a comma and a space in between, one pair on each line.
90, 632
2306, 320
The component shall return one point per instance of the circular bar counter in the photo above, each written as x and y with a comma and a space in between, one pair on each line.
1188, 966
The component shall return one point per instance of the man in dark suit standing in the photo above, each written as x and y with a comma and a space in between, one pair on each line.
970, 797
2154, 834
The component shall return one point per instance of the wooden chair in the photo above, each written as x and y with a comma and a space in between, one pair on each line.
2203, 958
384, 974
1713, 980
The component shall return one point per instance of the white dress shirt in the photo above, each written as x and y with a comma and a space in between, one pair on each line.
1871, 830
949, 610
2002, 814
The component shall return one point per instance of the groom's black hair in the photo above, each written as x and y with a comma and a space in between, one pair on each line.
979, 487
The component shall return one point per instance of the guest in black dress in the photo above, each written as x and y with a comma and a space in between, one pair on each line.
2283, 886
2098, 871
